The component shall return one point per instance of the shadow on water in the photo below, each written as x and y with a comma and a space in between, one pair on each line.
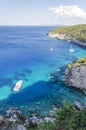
30, 92
41, 96
26, 96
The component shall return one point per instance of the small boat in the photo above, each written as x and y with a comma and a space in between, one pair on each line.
18, 85
51, 49
71, 49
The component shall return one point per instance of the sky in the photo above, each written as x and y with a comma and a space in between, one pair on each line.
42, 12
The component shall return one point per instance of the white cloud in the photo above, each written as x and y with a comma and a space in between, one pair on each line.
72, 11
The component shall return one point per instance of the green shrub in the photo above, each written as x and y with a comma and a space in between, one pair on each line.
46, 126
67, 118
9, 125
77, 63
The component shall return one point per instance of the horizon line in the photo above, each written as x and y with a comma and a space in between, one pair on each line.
42, 25
33, 25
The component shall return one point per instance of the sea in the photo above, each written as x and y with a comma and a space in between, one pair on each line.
26, 54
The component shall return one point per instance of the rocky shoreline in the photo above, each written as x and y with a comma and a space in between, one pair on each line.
75, 76
15, 120
63, 36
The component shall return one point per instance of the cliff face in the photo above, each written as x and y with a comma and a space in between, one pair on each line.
76, 77
75, 33
65, 37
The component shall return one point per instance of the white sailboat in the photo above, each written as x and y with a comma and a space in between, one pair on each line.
51, 49
71, 49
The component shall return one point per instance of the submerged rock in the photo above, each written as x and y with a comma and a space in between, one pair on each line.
56, 77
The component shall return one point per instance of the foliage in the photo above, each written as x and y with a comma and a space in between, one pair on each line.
44, 126
21, 117
77, 31
67, 118
47, 126
9, 125
77, 63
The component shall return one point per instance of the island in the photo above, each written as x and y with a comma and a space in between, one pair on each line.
75, 34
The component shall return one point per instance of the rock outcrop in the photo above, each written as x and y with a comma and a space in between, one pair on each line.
76, 77
15, 120
78, 106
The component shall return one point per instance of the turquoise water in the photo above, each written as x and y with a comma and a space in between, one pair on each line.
25, 55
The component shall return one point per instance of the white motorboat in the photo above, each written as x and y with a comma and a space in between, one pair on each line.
18, 85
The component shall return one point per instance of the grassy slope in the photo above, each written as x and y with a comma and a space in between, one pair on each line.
76, 31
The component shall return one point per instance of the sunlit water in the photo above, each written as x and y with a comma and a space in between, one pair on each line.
25, 54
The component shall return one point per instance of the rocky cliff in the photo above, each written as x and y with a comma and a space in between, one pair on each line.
65, 37
75, 34
76, 77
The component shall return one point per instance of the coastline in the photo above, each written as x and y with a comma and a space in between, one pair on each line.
64, 37
34, 120
15, 120
78, 70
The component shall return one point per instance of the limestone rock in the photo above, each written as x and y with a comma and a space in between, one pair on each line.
33, 120
78, 106
21, 127
51, 113
77, 78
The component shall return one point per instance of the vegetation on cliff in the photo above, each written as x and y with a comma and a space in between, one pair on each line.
77, 63
67, 118
77, 31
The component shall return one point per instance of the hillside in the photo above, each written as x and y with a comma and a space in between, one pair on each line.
76, 32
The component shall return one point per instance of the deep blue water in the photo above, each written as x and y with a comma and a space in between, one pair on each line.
25, 55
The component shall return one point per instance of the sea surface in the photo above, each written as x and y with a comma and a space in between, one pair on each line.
25, 54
